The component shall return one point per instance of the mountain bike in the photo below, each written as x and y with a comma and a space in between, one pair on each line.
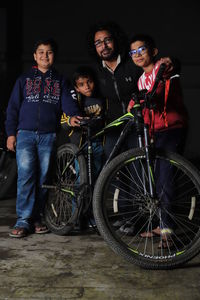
128, 192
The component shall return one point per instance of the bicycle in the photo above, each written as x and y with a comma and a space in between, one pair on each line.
130, 180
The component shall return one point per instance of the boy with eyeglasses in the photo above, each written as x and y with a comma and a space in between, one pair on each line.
170, 117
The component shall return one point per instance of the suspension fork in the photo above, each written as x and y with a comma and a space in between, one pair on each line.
150, 171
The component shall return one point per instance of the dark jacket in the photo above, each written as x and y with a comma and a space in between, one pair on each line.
89, 107
118, 87
37, 101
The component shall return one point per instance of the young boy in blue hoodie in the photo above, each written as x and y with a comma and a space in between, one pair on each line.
33, 116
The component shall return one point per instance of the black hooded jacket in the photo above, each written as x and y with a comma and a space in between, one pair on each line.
117, 87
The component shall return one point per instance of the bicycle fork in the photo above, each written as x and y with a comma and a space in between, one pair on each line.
149, 164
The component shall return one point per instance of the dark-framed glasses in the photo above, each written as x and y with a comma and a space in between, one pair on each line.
106, 41
141, 50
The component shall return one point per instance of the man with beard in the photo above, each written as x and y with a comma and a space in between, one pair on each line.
117, 74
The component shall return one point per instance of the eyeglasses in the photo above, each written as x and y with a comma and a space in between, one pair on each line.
141, 50
105, 41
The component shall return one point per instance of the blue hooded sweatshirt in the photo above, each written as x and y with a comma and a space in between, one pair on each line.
37, 102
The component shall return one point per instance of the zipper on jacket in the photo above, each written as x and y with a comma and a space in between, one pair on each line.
117, 93
41, 95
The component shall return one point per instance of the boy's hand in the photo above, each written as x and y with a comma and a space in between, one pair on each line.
169, 67
130, 105
75, 121
11, 143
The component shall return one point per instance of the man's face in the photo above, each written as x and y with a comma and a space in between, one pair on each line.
104, 44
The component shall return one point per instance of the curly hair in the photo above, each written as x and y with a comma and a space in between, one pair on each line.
119, 37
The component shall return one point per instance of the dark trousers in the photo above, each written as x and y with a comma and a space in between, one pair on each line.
172, 140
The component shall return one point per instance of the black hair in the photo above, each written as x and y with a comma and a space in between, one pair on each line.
119, 37
83, 71
147, 39
46, 41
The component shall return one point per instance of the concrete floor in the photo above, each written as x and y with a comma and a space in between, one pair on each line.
81, 266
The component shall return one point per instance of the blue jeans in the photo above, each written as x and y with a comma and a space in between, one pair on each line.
34, 152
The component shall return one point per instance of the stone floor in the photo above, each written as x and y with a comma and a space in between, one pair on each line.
82, 266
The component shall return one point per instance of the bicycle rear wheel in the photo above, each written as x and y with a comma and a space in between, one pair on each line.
63, 205
121, 196
8, 174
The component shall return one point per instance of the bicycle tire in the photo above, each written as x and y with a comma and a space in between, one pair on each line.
8, 175
143, 215
62, 209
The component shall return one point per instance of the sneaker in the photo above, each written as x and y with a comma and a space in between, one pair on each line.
118, 223
128, 228
91, 223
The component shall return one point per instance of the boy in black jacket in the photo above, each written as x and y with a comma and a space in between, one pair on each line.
90, 104
33, 116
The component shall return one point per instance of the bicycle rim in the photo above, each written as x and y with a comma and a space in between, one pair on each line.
64, 200
121, 196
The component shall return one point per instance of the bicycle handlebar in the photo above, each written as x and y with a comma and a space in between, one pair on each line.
158, 78
144, 94
89, 121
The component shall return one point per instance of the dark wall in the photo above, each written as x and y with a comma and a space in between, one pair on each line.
174, 25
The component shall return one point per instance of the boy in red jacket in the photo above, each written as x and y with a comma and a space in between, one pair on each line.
170, 118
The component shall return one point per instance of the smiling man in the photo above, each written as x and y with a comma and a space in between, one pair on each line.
116, 73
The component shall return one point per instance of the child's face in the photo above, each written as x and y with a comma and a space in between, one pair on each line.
85, 86
142, 58
44, 57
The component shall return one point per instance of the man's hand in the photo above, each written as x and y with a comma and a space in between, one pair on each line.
75, 121
11, 143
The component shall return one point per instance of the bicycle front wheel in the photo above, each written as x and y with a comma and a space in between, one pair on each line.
63, 205
122, 201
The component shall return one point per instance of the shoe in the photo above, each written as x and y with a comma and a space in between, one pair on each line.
92, 223
166, 241
165, 244
118, 223
19, 232
128, 228
149, 234
41, 229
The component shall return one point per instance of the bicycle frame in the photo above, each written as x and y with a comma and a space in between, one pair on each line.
128, 120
